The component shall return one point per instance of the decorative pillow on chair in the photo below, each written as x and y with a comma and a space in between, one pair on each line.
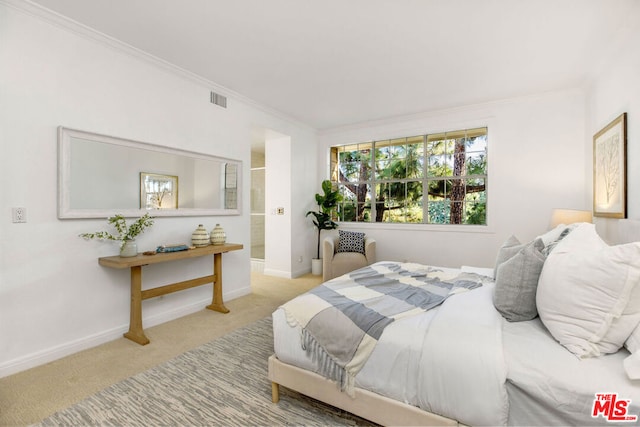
588, 294
517, 282
350, 241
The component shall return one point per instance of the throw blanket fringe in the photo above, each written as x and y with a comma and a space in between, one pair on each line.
327, 367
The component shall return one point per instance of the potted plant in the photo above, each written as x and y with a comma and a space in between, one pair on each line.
323, 220
126, 233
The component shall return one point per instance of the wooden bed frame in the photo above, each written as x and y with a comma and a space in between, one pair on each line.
365, 404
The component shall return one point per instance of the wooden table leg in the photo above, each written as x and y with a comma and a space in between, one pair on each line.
136, 333
217, 304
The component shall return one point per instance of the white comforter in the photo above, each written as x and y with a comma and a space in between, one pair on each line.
448, 360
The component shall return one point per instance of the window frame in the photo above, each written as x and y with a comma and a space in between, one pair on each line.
373, 181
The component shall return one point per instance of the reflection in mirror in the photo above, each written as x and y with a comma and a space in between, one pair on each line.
100, 176
158, 191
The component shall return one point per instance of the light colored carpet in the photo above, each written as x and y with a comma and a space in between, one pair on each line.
30, 396
222, 383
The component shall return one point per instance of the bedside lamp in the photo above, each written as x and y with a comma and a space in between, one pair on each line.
569, 216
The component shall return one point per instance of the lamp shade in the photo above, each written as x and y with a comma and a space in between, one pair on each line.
569, 216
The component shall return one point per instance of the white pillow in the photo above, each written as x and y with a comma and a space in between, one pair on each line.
632, 363
587, 295
633, 342
632, 366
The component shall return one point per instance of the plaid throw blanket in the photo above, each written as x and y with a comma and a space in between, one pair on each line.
343, 319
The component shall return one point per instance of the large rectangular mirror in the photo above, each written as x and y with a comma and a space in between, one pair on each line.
100, 176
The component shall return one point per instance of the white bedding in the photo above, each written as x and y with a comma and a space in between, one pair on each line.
499, 372
426, 341
548, 385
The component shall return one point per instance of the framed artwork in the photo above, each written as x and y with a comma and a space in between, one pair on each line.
158, 191
610, 170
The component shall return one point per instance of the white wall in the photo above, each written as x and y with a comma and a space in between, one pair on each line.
617, 90
536, 158
305, 184
54, 297
277, 259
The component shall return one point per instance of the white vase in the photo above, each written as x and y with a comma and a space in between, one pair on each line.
129, 249
218, 236
200, 237
316, 266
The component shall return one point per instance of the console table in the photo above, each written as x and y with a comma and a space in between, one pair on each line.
136, 333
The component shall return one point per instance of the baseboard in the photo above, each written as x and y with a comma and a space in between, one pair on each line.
277, 273
59, 351
301, 272
257, 265
286, 274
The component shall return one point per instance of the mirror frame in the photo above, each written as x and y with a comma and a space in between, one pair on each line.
65, 211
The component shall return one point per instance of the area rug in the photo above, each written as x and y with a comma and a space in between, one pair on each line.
222, 383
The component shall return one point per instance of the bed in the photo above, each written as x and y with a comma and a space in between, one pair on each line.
463, 356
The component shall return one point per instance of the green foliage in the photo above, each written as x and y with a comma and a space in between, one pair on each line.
477, 214
477, 209
447, 173
439, 212
330, 199
327, 203
125, 233
477, 165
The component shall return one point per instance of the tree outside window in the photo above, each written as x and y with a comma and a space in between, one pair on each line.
387, 180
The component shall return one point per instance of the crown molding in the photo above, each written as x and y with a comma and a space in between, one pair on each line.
481, 110
47, 15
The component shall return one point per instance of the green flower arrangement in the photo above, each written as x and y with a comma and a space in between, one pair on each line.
125, 232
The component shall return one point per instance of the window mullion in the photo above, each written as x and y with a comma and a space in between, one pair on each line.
372, 183
425, 182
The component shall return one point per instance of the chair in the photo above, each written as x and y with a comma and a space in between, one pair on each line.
346, 252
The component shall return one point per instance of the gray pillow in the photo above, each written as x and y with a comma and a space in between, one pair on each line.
508, 249
517, 283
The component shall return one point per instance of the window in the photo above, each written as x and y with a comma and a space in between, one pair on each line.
429, 179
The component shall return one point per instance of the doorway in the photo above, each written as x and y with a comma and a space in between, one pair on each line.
258, 172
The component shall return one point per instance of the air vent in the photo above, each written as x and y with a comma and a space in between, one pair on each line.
218, 99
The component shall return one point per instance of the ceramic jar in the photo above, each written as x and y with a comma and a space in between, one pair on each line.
218, 236
200, 237
129, 249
